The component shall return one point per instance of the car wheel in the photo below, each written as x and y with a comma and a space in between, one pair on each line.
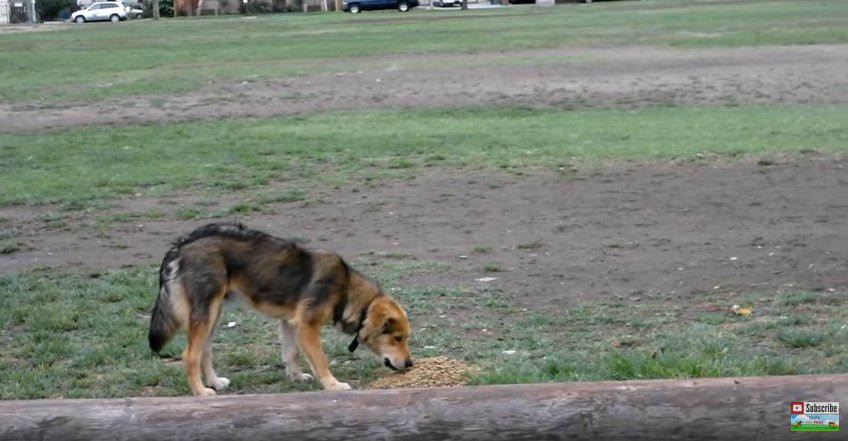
403, 6
114, 18
80, 19
354, 9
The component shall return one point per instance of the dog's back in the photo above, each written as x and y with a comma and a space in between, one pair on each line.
273, 275
191, 262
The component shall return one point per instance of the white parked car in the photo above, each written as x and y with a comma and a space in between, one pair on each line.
101, 11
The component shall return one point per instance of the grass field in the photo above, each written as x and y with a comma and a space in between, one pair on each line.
81, 334
84, 335
91, 62
89, 166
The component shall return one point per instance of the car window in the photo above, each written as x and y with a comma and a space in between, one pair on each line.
93, 7
110, 5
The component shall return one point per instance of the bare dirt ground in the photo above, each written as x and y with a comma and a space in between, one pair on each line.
565, 78
618, 233
623, 231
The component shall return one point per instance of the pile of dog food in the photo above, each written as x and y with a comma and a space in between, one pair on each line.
427, 372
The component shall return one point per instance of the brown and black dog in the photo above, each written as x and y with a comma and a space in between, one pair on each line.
303, 288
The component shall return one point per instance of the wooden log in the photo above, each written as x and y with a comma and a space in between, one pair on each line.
755, 408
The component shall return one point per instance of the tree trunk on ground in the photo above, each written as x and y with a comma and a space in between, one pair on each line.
705, 409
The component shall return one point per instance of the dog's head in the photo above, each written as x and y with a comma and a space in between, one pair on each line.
386, 332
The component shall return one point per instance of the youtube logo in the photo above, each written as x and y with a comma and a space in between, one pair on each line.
796, 407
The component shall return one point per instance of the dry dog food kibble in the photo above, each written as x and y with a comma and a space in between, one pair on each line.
427, 372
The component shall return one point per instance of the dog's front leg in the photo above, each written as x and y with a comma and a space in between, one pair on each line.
309, 340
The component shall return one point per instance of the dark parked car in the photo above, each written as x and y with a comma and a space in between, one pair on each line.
356, 6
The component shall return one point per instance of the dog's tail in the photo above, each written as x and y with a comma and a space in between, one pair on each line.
163, 321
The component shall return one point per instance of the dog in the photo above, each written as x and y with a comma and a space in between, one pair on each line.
302, 288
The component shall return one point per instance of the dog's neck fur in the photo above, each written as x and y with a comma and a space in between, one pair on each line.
352, 309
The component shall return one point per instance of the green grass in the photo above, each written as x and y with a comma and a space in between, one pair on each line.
145, 58
282, 196
65, 334
611, 342
80, 168
800, 338
795, 298
482, 249
530, 246
815, 429
10, 246
492, 267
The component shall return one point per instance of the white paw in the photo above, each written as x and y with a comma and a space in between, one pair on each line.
298, 376
220, 383
206, 392
337, 386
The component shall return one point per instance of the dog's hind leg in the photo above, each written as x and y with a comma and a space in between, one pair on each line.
288, 346
212, 379
198, 332
309, 339
201, 322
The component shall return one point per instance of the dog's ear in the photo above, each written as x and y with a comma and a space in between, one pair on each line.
388, 325
376, 324
380, 320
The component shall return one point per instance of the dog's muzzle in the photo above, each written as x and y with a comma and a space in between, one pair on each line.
407, 364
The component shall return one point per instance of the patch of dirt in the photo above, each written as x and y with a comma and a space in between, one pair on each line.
561, 78
427, 372
620, 232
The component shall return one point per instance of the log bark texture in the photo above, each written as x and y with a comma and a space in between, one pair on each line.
754, 408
